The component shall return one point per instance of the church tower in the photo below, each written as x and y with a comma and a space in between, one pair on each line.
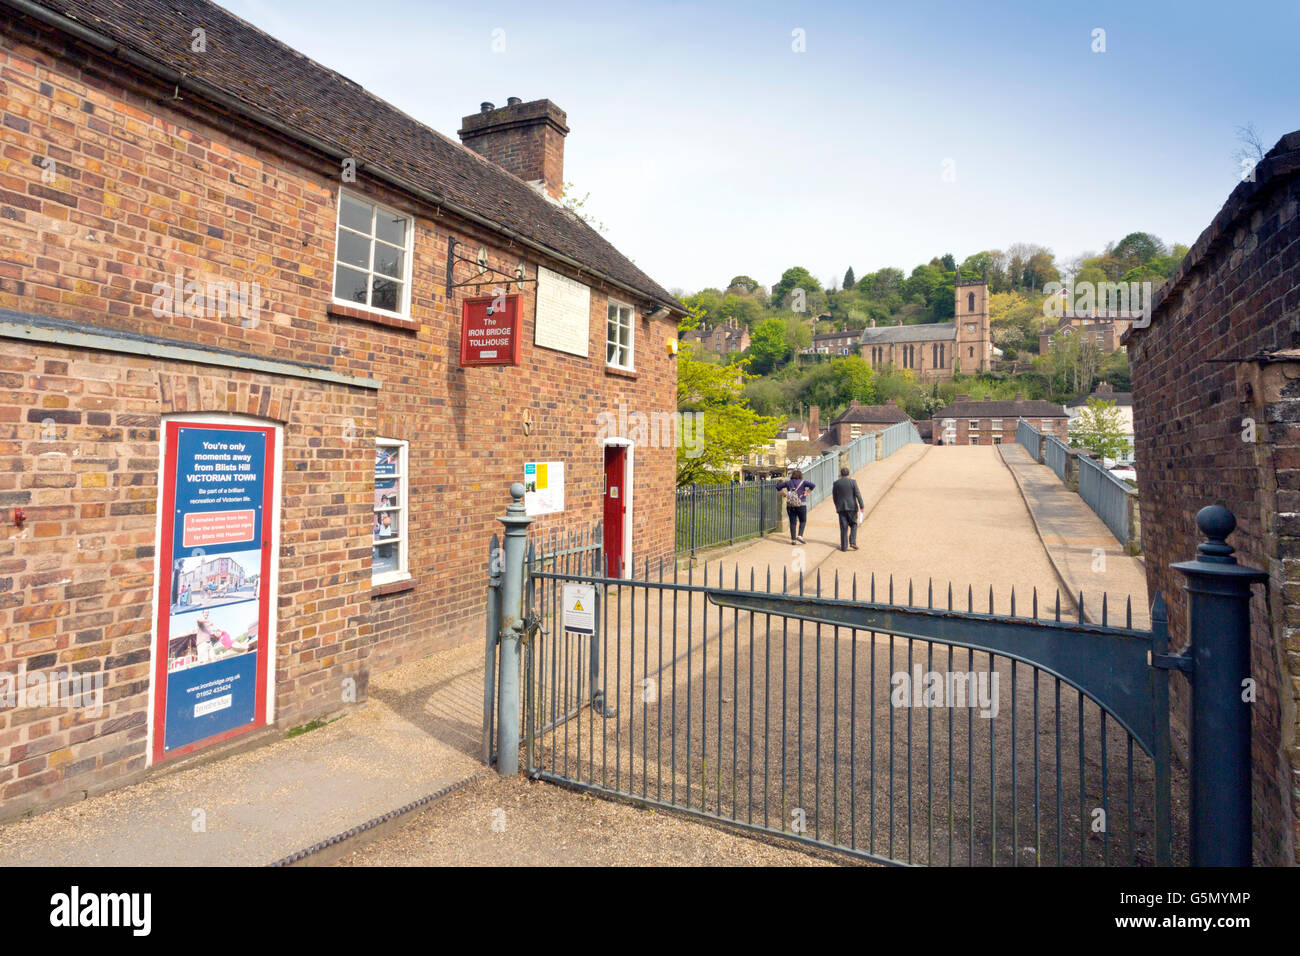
971, 317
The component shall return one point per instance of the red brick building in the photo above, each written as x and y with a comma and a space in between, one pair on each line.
722, 338
201, 230
993, 421
857, 420
1104, 329
1216, 420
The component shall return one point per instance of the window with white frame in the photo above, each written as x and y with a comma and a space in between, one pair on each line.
372, 256
618, 336
390, 530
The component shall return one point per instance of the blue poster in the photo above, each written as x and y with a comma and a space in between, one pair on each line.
218, 486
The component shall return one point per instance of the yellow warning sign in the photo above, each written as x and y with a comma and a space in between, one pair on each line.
580, 608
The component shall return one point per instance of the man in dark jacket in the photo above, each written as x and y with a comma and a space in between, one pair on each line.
848, 499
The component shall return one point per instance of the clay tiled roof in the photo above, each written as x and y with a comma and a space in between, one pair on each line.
871, 415
280, 85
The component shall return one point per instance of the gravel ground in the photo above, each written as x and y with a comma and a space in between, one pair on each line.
516, 822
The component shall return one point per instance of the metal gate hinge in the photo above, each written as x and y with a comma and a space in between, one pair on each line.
1171, 662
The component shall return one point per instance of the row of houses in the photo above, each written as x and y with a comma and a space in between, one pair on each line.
965, 421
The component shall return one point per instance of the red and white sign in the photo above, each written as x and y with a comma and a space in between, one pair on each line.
489, 331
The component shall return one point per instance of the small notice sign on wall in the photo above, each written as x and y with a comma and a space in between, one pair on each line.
489, 331
563, 313
543, 487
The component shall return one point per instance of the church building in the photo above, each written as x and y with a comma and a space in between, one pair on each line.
936, 351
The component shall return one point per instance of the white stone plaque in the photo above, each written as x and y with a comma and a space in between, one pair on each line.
563, 313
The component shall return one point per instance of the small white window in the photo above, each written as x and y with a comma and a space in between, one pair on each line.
390, 530
618, 336
372, 256
974, 424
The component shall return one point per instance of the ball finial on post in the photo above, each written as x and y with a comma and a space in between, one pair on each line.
1216, 523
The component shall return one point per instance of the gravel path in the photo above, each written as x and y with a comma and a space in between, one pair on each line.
516, 822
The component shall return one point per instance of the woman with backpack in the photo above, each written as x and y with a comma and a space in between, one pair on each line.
795, 490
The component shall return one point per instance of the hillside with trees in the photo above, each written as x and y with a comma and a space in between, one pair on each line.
781, 382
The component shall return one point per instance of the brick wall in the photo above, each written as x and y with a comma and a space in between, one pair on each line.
144, 187
79, 441
1236, 296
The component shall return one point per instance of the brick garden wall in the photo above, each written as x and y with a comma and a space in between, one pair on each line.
1236, 296
141, 191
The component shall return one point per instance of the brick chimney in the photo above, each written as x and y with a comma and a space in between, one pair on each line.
526, 139
814, 422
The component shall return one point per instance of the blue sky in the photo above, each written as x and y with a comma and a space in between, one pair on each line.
709, 147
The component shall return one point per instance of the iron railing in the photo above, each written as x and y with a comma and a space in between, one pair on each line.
720, 697
1107, 495
1054, 455
1030, 438
711, 515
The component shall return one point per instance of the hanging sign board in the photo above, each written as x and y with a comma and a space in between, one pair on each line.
563, 319
217, 563
543, 487
489, 331
580, 608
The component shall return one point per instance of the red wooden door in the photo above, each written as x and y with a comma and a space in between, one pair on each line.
615, 508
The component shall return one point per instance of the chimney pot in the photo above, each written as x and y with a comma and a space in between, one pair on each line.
486, 107
513, 101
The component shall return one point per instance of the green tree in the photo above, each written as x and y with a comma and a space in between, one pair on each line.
767, 346
792, 278
1100, 429
1040, 270
741, 308
849, 280
743, 284
797, 335
711, 395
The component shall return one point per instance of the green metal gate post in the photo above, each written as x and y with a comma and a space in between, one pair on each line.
512, 627
493, 616
1219, 634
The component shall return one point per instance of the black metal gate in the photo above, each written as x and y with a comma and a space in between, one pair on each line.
900, 725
